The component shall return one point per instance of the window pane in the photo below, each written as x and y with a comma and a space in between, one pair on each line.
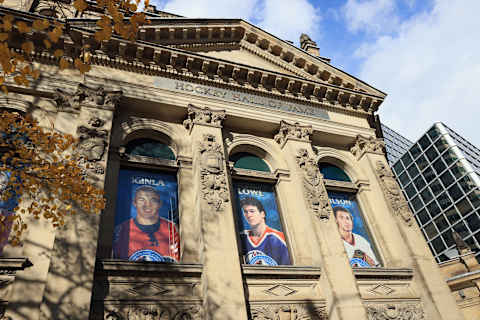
461, 229
415, 150
444, 200
433, 209
448, 238
412, 170
419, 183
434, 132
452, 215
450, 157
475, 198
455, 192
431, 153
473, 222
398, 167
428, 174
149, 148
417, 203
436, 187
431, 231
426, 195
441, 144
447, 178
424, 142
423, 216
438, 245
464, 207
467, 184
441, 223
404, 179
422, 162
410, 190
439, 166
470, 242
332, 172
458, 170
406, 159
244, 160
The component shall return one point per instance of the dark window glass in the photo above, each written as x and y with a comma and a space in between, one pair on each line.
422, 163
433, 209
424, 142
447, 178
464, 207
436, 187
442, 144
439, 166
441, 223
404, 179
475, 198
455, 192
473, 222
470, 242
428, 174
450, 157
467, 183
410, 190
444, 200
149, 148
415, 150
461, 229
434, 133
398, 167
438, 245
431, 231
412, 170
431, 153
419, 183
406, 159
452, 215
423, 216
448, 238
442, 258
332, 172
417, 203
244, 160
426, 195
477, 236
458, 170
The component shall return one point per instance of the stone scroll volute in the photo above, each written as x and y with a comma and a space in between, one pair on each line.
314, 189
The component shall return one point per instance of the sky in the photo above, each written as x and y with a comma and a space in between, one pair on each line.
423, 53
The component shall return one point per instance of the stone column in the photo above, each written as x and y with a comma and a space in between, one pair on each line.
223, 293
401, 233
327, 250
87, 114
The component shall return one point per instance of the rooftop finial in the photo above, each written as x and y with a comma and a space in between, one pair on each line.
307, 44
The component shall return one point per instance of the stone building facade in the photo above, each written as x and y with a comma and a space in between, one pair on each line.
208, 94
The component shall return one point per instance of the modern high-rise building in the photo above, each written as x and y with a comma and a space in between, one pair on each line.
439, 175
396, 145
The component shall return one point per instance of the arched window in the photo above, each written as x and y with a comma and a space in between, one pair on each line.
149, 148
244, 160
332, 172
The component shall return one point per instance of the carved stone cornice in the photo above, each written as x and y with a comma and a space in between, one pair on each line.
14, 104
86, 96
212, 173
288, 311
203, 116
294, 131
314, 189
367, 145
394, 311
393, 193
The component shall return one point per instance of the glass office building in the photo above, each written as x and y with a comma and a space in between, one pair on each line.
439, 175
395, 143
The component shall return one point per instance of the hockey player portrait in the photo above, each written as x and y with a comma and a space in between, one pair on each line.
146, 235
262, 244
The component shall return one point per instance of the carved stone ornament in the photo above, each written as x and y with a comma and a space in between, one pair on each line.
212, 173
399, 311
292, 131
85, 96
313, 186
204, 116
290, 311
393, 193
367, 145
156, 312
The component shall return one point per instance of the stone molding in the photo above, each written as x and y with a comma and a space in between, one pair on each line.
288, 311
394, 311
15, 104
203, 116
86, 96
364, 145
314, 189
294, 131
212, 173
154, 312
393, 193
8, 270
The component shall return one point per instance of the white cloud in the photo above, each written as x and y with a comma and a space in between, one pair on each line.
430, 70
373, 16
209, 8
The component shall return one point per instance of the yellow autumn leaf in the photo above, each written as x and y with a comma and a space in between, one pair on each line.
55, 34
64, 64
23, 27
35, 74
82, 67
28, 47
4, 89
40, 24
80, 5
7, 22
47, 43
3, 36
58, 53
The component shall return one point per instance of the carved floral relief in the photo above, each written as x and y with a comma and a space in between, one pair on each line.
290, 311
85, 96
400, 311
292, 131
367, 145
204, 116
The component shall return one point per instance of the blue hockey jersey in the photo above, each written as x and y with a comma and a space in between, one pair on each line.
270, 249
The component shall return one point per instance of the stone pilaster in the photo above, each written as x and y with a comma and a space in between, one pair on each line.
86, 114
223, 293
403, 248
313, 219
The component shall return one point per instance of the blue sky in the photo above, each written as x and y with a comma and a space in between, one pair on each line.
423, 53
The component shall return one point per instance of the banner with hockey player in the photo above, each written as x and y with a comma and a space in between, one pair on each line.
353, 231
146, 218
6, 206
261, 233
